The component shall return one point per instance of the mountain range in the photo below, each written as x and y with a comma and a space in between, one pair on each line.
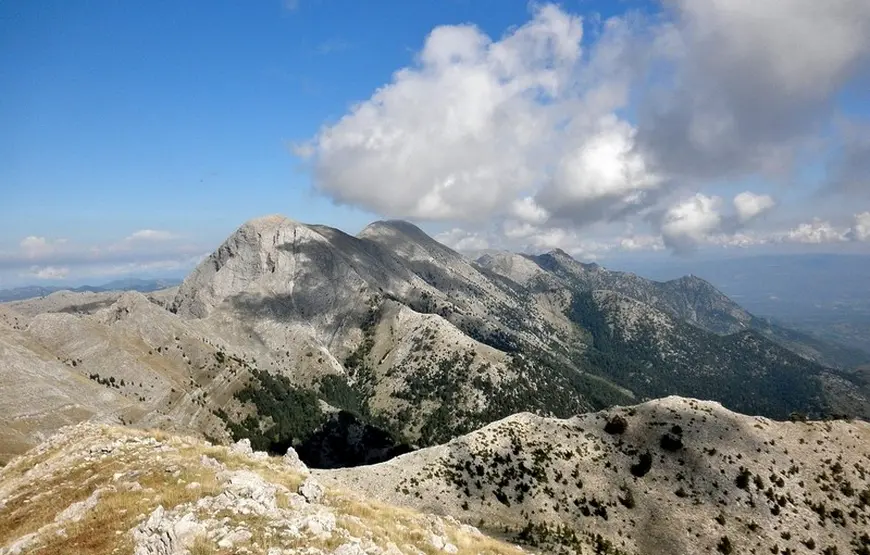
127, 284
454, 386
392, 333
821, 294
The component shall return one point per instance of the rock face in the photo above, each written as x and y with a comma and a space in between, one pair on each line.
669, 476
98, 489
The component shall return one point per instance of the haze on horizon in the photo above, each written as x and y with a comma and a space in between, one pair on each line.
137, 137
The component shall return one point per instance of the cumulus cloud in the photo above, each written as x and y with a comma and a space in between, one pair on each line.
861, 229
640, 243
527, 210
599, 176
749, 205
544, 139
463, 241
752, 81
816, 232
461, 134
690, 222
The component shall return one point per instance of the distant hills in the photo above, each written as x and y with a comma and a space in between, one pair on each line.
825, 295
127, 284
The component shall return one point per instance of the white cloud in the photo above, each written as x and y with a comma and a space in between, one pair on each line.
527, 210
151, 235
750, 205
38, 247
636, 243
861, 229
816, 232
462, 241
690, 222
602, 173
49, 272
518, 230
461, 135
145, 252
740, 239
530, 133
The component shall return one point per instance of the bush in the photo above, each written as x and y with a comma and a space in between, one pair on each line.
643, 466
671, 443
742, 479
616, 425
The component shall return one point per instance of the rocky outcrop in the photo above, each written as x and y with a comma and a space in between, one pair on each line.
176, 496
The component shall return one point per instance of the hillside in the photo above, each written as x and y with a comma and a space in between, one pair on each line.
94, 490
674, 475
669, 476
297, 334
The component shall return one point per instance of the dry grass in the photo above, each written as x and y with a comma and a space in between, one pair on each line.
384, 524
32, 507
104, 529
105, 526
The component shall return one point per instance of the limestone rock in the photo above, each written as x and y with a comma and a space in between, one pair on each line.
77, 511
243, 447
291, 460
311, 490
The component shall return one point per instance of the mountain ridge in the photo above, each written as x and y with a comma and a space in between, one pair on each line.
409, 337
126, 284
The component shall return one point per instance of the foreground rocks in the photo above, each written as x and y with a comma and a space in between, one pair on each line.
101, 489
672, 475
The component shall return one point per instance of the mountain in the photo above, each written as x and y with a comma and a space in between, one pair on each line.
824, 295
127, 284
370, 345
688, 298
674, 475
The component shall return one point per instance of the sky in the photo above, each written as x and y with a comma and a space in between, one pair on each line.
138, 135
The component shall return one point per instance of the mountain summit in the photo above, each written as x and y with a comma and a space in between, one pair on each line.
300, 334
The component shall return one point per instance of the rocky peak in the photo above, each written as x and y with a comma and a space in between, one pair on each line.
559, 253
408, 241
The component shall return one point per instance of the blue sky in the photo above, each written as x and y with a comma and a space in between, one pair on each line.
138, 135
